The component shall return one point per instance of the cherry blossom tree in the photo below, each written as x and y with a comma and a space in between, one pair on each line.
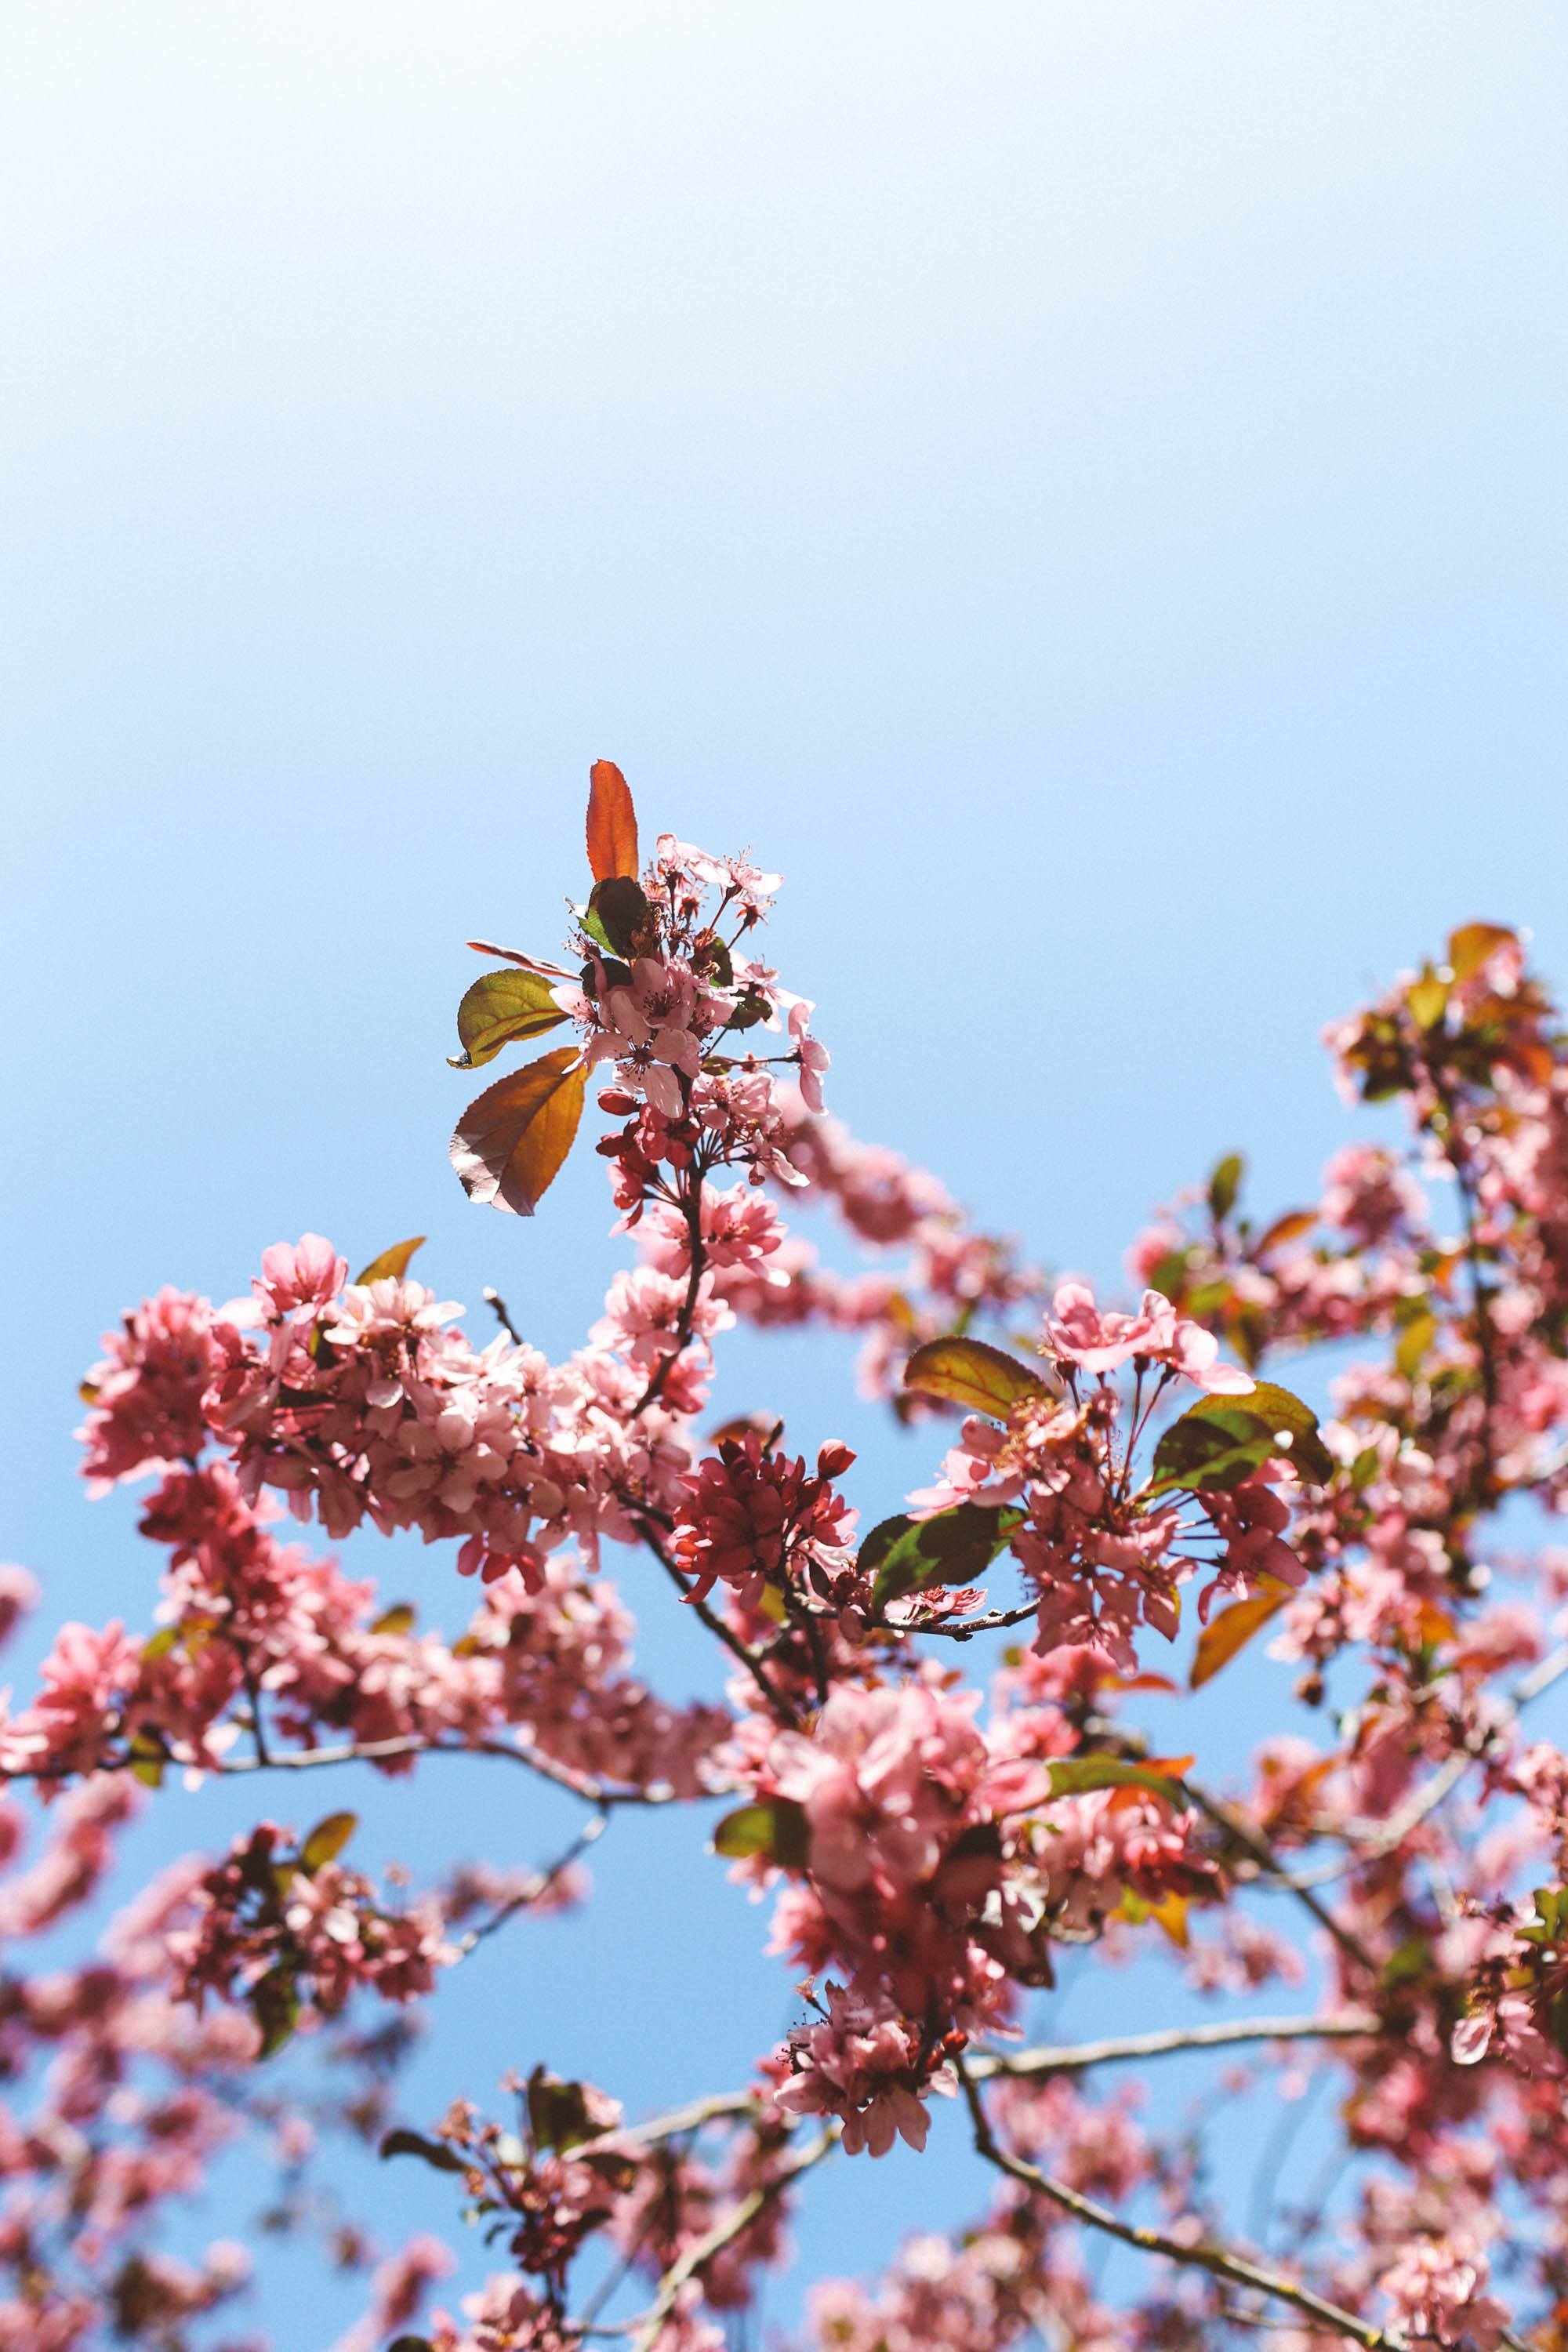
925, 1752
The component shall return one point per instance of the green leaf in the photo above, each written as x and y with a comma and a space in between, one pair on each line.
411, 2344
327, 1841
1169, 1277
1551, 1911
1224, 1185
1221, 1440
1410, 1347
500, 1008
1210, 1450
1285, 1413
1427, 999
953, 1547
275, 2005
588, 919
776, 1828
392, 1264
716, 963
398, 1619
623, 915
1075, 1776
558, 2112
428, 2151
972, 1373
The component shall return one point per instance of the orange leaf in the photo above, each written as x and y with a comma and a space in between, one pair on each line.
511, 1139
611, 823
972, 1373
1472, 943
1225, 1634
393, 1262
1289, 1228
1172, 1915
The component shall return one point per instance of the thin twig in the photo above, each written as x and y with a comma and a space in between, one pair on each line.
1481, 1296
777, 1700
963, 1629
690, 1203
721, 2234
374, 1751
1383, 1836
537, 1886
1213, 2259
1074, 2057
498, 1308
719, 2107
1254, 1843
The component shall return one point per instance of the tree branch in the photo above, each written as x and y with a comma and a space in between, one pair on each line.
721, 2234
374, 1751
1073, 2058
1254, 1843
778, 1705
1383, 1836
719, 2107
1213, 2259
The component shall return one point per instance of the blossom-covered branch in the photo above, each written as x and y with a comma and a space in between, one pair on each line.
941, 1816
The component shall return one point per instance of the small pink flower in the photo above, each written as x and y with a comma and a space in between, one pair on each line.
812, 1056
310, 1273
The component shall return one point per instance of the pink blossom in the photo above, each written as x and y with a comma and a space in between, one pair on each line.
810, 1054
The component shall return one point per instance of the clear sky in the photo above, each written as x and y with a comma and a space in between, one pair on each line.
1079, 487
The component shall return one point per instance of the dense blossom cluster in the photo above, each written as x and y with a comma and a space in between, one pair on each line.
1119, 1495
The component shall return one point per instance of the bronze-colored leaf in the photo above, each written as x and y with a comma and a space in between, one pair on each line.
1223, 1635
392, 1264
611, 823
500, 1008
511, 1139
1291, 1227
1472, 943
972, 1373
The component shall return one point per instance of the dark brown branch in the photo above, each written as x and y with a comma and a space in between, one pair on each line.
778, 1705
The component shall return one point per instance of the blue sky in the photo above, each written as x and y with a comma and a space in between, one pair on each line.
1079, 489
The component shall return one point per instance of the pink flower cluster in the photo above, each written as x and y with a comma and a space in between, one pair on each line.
285, 1934
865, 2063
751, 1519
1106, 1553
930, 1843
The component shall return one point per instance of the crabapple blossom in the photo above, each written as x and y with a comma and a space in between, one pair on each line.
931, 1735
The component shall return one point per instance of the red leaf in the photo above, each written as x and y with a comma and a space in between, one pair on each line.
611, 823
511, 1139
